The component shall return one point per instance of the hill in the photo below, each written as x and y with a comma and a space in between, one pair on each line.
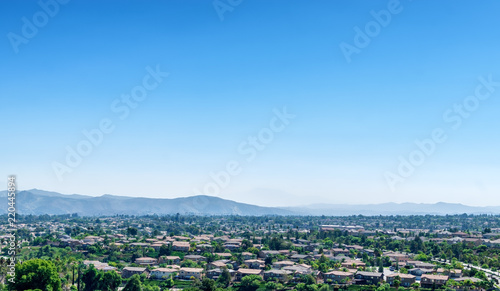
43, 202
39, 202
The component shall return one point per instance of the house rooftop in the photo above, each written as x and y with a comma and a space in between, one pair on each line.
435, 277
193, 270
250, 271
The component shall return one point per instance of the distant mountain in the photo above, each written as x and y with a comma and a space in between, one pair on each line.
55, 194
45, 202
440, 208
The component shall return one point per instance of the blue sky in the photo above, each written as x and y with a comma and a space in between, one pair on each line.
228, 76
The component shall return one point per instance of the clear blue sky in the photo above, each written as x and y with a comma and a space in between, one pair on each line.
353, 119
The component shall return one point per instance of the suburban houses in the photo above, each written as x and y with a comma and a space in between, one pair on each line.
286, 254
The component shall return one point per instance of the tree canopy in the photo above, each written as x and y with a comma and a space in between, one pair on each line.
36, 274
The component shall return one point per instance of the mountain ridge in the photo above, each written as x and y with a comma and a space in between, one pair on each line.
44, 202
37, 202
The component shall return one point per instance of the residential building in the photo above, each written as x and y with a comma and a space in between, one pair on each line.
282, 264
298, 257
405, 279
338, 276
163, 272
187, 273
430, 281
281, 275
195, 258
368, 278
181, 246
353, 264
245, 272
175, 260
127, 272
146, 261
247, 255
255, 264
217, 265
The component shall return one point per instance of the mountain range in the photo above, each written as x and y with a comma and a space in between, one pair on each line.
39, 202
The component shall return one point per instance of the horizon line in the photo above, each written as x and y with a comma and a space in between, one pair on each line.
303, 205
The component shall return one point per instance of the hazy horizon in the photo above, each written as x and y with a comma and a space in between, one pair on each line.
268, 103
269, 203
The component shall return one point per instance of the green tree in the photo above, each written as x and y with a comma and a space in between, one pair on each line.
165, 250
169, 283
92, 279
309, 279
384, 287
481, 275
225, 278
36, 274
305, 287
111, 281
328, 243
134, 284
132, 231
274, 286
250, 283
207, 284
188, 264
150, 288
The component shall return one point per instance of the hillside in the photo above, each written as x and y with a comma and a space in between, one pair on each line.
45, 202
